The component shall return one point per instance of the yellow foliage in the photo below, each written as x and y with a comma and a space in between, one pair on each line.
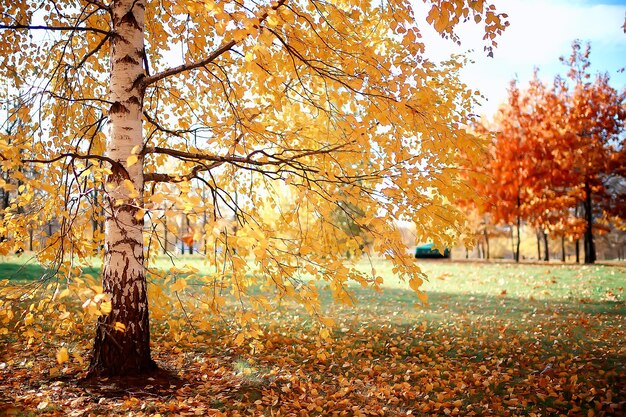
285, 143
62, 356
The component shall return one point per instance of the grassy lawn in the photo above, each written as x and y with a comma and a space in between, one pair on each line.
495, 339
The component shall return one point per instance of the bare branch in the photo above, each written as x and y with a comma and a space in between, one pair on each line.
59, 28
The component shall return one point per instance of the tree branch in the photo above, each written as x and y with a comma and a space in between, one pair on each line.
59, 28
160, 177
212, 57
115, 165
99, 4
186, 67
94, 50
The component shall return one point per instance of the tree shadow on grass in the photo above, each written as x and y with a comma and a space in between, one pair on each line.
159, 382
479, 304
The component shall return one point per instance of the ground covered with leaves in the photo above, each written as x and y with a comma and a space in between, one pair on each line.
496, 339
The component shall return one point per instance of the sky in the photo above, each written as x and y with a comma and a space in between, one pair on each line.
540, 32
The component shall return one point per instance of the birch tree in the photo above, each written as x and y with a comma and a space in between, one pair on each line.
273, 107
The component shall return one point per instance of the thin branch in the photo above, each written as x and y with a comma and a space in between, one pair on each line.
77, 100
186, 67
60, 28
160, 177
94, 50
159, 127
99, 4
209, 59
114, 164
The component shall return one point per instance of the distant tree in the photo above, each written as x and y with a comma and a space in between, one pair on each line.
594, 123
506, 170
557, 148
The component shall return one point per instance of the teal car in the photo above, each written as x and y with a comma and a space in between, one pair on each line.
428, 251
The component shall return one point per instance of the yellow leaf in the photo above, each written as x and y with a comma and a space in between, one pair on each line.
157, 198
99, 297
239, 339
131, 160
78, 358
324, 333
423, 297
120, 327
106, 307
128, 184
179, 285
415, 283
62, 355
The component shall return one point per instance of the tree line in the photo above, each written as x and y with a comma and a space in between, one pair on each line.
556, 161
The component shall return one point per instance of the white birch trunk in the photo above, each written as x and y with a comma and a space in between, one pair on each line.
125, 352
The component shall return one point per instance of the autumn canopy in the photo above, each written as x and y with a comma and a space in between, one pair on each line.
293, 118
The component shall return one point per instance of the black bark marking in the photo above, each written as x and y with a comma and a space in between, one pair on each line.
128, 60
117, 108
117, 175
134, 100
123, 352
129, 19
139, 83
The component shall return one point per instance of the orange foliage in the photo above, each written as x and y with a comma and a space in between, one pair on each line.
557, 153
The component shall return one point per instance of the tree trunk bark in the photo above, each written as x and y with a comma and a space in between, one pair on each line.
562, 248
512, 242
518, 241
577, 251
590, 248
96, 225
487, 242
164, 234
519, 222
124, 349
189, 247
546, 253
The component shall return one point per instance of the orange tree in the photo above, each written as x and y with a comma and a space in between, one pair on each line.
272, 106
503, 176
556, 148
549, 182
594, 122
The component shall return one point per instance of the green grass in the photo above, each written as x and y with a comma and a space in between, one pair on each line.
586, 283
23, 269
486, 336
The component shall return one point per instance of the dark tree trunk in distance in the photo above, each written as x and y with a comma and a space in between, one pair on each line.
519, 224
546, 253
487, 243
590, 248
